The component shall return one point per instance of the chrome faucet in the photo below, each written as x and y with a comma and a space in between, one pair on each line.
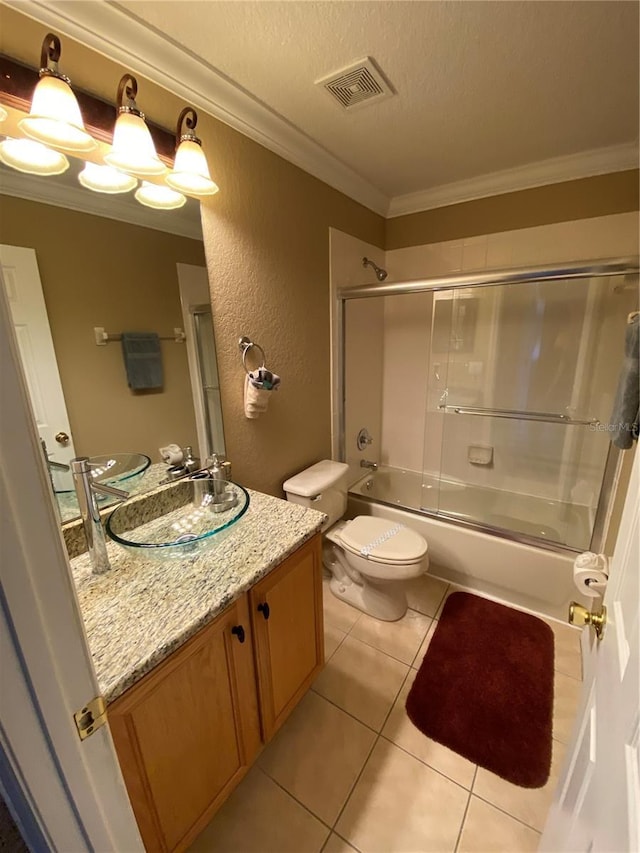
364, 463
86, 489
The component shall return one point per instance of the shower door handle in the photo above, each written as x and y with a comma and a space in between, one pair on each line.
517, 415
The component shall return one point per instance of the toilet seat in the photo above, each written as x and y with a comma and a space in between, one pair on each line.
380, 541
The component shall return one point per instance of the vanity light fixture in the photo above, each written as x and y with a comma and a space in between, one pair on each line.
190, 173
55, 117
132, 150
34, 158
106, 179
159, 197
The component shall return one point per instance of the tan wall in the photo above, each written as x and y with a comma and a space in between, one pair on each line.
598, 196
100, 272
267, 245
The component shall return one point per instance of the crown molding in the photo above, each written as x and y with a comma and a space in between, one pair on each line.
119, 36
34, 188
112, 32
586, 164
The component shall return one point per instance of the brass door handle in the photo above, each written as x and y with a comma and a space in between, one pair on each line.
580, 616
62, 438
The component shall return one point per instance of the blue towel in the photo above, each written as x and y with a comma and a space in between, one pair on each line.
624, 417
142, 360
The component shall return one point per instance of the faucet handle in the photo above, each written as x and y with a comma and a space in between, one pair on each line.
109, 490
364, 438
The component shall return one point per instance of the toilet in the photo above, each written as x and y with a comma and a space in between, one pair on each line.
368, 558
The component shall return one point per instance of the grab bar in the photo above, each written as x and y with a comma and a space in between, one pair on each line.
517, 415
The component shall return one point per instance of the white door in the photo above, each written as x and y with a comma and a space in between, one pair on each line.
21, 278
71, 791
597, 803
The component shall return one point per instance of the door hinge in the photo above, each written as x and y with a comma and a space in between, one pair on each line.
91, 717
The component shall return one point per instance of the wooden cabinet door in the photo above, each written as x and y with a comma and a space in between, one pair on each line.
286, 613
187, 732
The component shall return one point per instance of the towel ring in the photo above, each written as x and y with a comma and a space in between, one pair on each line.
245, 345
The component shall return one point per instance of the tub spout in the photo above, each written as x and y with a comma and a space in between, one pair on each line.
364, 463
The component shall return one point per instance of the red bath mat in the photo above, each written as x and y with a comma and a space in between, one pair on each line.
485, 688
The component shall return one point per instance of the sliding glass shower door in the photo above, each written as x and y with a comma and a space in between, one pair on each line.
520, 387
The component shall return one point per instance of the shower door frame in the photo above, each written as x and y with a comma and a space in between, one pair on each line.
487, 278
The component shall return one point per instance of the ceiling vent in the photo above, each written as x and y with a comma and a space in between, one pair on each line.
358, 84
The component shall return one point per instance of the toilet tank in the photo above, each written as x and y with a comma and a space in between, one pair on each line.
323, 486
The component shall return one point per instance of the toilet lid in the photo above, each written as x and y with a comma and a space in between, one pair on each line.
383, 541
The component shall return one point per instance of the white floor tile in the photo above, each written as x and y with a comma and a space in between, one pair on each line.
399, 804
400, 639
259, 816
425, 645
488, 830
362, 680
338, 613
332, 639
402, 732
335, 844
425, 594
529, 805
317, 755
565, 705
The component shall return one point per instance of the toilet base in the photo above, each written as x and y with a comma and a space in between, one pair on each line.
385, 600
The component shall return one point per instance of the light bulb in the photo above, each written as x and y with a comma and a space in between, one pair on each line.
55, 117
159, 197
133, 149
34, 158
106, 179
190, 173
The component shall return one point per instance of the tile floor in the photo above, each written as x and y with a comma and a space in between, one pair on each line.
349, 772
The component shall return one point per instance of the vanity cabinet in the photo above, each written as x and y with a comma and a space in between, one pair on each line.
188, 731
286, 614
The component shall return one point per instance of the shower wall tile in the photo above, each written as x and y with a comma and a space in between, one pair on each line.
346, 270
407, 322
363, 380
474, 253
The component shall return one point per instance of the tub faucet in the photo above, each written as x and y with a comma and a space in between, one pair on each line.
364, 463
86, 489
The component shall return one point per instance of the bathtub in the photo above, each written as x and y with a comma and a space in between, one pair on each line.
536, 578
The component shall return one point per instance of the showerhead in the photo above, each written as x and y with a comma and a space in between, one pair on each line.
380, 273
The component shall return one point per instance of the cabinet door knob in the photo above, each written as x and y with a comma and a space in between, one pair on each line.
238, 630
264, 609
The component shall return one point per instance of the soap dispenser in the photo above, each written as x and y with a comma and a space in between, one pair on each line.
191, 462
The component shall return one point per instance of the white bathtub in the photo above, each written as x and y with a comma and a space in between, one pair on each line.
524, 575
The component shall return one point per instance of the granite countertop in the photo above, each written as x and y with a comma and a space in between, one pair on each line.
138, 613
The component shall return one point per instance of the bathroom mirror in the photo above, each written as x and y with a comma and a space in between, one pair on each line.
74, 261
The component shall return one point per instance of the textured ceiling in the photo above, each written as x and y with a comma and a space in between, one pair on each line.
481, 86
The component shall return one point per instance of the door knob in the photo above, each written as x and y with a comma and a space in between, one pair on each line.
62, 438
580, 616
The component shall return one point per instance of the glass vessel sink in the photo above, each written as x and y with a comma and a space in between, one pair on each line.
123, 470
181, 520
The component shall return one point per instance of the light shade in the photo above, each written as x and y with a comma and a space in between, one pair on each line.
190, 173
34, 158
3, 113
159, 197
106, 179
133, 150
55, 117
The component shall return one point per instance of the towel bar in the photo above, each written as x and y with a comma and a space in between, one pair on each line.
103, 338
